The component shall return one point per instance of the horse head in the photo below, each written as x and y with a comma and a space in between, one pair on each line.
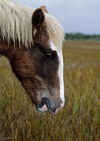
39, 67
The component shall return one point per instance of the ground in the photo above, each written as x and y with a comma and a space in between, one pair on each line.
79, 119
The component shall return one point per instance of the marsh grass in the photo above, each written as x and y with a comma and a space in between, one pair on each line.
79, 120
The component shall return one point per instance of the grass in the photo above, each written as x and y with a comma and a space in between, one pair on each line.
79, 120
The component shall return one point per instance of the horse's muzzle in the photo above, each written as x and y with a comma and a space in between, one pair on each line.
47, 106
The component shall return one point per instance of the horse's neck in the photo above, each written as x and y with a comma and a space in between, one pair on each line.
3, 48
6, 50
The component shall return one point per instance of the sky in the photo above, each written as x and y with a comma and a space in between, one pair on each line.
76, 16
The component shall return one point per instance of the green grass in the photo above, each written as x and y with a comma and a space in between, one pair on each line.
79, 120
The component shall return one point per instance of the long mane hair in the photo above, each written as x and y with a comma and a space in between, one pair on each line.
15, 25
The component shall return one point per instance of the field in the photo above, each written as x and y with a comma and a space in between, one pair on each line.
79, 120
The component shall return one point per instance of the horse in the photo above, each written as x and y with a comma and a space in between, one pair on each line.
32, 40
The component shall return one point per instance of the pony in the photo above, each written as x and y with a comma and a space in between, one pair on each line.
32, 41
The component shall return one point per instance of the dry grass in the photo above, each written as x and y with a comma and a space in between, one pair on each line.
80, 118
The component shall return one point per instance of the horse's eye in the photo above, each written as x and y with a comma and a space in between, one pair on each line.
50, 55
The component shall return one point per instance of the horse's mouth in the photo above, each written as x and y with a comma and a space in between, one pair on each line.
46, 106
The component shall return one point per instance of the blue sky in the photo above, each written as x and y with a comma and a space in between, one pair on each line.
81, 16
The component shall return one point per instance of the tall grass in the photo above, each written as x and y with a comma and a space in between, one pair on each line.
79, 119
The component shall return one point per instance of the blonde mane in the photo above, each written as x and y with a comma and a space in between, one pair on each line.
15, 24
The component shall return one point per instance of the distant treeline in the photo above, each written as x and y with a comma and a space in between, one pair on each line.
79, 36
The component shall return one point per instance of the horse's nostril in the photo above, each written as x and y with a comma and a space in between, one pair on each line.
53, 109
43, 101
41, 104
58, 105
47, 102
42, 107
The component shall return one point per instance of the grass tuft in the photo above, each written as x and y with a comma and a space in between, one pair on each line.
79, 119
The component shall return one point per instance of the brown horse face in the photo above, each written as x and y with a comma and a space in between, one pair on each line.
40, 69
45, 82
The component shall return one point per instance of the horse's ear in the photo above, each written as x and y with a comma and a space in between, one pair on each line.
38, 19
44, 9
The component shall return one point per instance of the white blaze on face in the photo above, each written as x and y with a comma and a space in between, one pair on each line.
60, 71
